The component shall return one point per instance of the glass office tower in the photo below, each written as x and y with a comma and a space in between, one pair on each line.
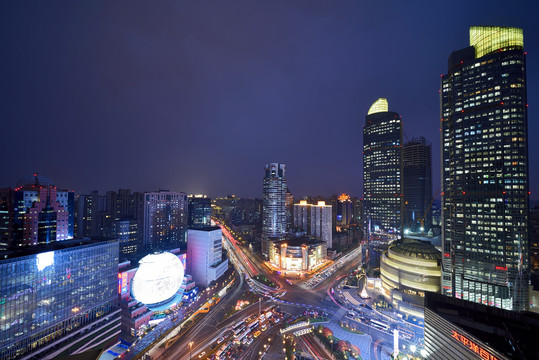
417, 185
274, 211
58, 300
484, 143
382, 169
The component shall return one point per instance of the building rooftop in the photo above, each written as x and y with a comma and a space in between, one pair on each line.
299, 241
417, 250
54, 246
513, 333
205, 228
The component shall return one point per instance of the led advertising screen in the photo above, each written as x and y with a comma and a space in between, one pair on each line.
158, 278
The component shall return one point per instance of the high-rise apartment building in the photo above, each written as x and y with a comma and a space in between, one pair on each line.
315, 220
199, 211
6, 218
485, 170
165, 220
41, 213
417, 185
274, 217
382, 172
343, 212
58, 299
127, 235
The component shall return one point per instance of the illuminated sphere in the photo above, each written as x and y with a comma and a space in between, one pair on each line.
157, 279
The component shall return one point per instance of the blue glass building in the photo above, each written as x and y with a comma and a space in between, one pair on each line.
58, 299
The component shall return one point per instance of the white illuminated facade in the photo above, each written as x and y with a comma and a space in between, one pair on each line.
157, 279
300, 254
205, 260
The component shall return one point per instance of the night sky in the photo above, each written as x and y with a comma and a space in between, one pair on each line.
197, 96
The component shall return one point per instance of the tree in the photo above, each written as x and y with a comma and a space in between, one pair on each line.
342, 346
355, 350
327, 332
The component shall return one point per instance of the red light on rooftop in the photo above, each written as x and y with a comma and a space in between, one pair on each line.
464, 193
501, 103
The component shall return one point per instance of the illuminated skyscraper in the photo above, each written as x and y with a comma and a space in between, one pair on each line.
485, 170
417, 184
382, 169
274, 210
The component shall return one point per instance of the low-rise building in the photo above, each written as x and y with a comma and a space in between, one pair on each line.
407, 270
298, 254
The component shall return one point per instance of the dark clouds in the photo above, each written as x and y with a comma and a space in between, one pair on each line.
197, 96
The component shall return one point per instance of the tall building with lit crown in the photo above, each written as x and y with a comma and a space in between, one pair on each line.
274, 212
382, 171
165, 220
417, 184
484, 142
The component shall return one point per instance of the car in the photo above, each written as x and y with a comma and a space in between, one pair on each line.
201, 355
257, 333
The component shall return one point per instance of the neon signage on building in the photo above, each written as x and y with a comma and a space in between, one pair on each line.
476, 348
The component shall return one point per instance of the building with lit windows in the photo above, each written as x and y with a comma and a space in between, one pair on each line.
165, 220
41, 213
199, 211
485, 170
58, 299
417, 185
127, 235
274, 211
382, 173
315, 220
343, 212
407, 270
297, 254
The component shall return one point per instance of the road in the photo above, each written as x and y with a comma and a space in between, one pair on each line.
296, 299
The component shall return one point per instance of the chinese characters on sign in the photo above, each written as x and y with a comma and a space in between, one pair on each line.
483, 353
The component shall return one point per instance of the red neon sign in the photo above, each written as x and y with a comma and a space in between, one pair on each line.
504, 268
476, 348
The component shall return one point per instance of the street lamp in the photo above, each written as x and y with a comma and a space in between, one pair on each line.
190, 348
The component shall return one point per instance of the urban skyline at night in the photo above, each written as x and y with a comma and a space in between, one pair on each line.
275, 180
143, 95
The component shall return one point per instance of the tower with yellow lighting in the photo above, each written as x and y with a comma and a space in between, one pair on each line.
484, 146
382, 173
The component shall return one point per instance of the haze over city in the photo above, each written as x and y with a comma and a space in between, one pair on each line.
196, 96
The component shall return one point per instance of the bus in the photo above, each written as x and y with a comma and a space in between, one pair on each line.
379, 325
239, 330
253, 324
222, 350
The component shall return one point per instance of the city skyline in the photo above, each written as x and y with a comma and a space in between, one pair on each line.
141, 94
